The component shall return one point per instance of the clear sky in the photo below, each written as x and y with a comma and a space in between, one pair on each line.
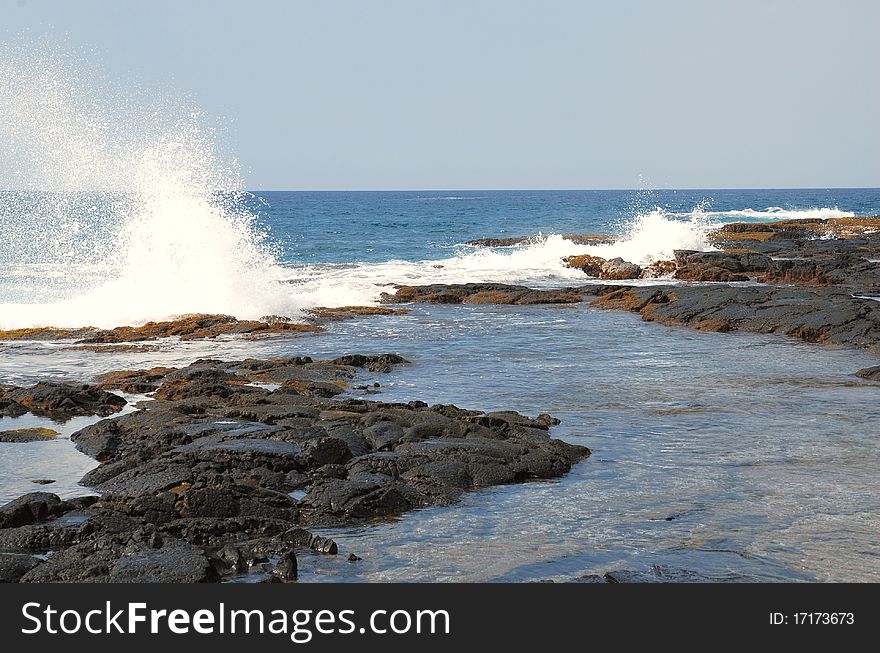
409, 94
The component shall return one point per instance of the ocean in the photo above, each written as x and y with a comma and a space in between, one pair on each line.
736, 456
729, 456
173, 248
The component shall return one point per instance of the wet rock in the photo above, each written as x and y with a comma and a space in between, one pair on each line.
173, 562
147, 479
658, 269
720, 266
37, 538
579, 239
590, 265
66, 400
353, 558
301, 538
124, 560
483, 293
134, 381
197, 327
382, 363
825, 315
10, 408
44, 334
286, 567
596, 266
31, 508
196, 485
323, 545
666, 574
28, 435
351, 312
617, 269
590, 578
870, 373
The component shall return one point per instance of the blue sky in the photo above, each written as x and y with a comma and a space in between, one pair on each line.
506, 94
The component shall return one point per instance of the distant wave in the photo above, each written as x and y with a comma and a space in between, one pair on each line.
776, 213
447, 198
539, 262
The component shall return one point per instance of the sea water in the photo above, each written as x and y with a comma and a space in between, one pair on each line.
734, 456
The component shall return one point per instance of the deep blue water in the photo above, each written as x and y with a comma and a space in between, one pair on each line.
346, 227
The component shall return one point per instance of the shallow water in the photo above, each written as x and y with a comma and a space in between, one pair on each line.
760, 449
22, 464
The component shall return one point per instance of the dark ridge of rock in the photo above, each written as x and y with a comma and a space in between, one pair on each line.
192, 327
62, 401
825, 315
298, 375
804, 228
196, 327
300, 537
197, 486
720, 266
107, 349
325, 314
836, 251
816, 252
828, 314
189, 327
382, 363
46, 334
579, 239
485, 293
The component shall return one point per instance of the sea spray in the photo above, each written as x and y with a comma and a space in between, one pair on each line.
118, 207
649, 236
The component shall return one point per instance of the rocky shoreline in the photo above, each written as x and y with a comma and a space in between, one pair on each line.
816, 280
232, 466
221, 474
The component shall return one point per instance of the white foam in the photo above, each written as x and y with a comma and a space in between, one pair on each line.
779, 213
125, 222
539, 263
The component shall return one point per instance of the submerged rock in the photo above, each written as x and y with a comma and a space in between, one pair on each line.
28, 435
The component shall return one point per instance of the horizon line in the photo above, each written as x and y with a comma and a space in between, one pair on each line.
498, 190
